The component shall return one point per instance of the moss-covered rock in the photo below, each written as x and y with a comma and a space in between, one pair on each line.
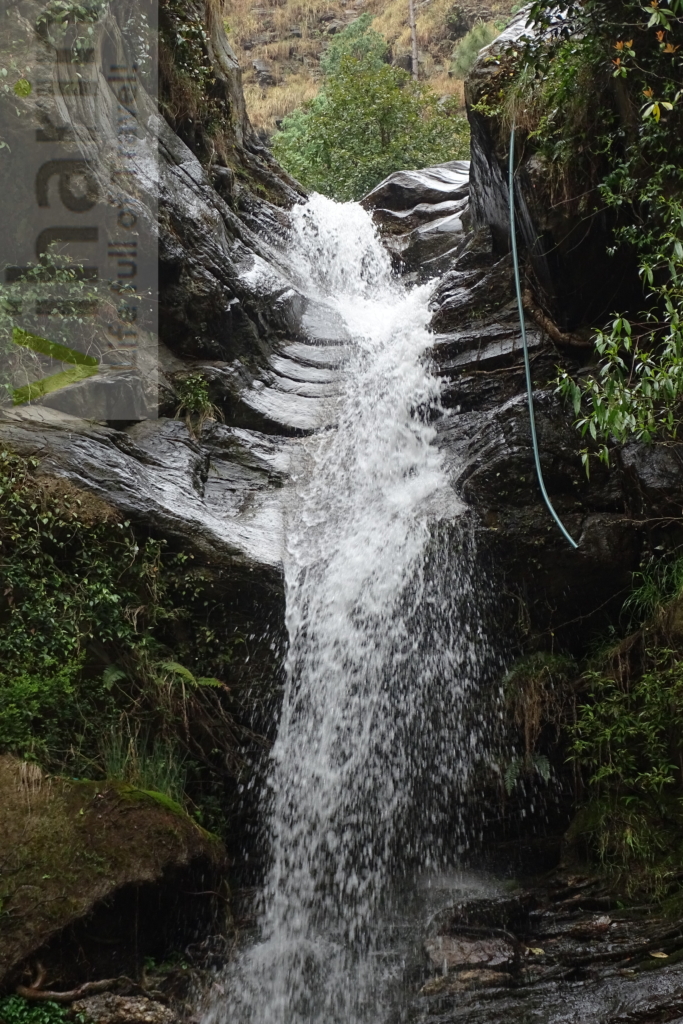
66, 845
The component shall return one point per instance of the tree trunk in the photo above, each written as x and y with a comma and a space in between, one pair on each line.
413, 33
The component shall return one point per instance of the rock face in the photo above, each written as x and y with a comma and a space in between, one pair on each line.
422, 216
485, 432
566, 240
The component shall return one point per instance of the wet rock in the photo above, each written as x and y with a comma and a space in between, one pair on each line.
404, 190
465, 981
478, 355
423, 215
430, 247
449, 951
400, 221
221, 495
109, 1008
573, 968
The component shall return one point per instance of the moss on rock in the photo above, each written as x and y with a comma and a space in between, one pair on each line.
67, 845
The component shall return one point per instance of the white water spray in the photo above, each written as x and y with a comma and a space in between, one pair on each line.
373, 748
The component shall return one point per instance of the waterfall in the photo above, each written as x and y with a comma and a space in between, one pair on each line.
385, 652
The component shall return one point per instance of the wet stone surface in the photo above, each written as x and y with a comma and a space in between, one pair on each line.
563, 953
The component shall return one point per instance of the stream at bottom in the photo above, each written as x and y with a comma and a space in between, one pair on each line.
386, 658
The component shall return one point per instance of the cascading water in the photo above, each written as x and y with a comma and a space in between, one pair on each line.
374, 747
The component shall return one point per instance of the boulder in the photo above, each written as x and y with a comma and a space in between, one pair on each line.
423, 216
404, 190
69, 846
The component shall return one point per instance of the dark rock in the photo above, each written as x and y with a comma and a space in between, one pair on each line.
477, 353
431, 246
424, 215
400, 221
404, 61
570, 968
264, 72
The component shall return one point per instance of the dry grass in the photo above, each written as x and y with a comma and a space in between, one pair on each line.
289, 35
444, 85
267, 106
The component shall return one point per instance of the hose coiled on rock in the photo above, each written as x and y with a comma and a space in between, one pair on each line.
527, 368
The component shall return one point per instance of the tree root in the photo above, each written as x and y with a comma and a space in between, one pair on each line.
550, 328
35, 992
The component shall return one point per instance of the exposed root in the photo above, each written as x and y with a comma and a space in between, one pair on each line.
36, 992
550, 328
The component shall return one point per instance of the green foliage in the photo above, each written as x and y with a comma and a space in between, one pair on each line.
622, 151
152, 765
369, 120
630, 735
60, 592
186, 36
357, 41
466, 49
193, 392
112, 646
42, 714
627, 738
520, 766
16, 1010
656, 585
367, 123
536, 690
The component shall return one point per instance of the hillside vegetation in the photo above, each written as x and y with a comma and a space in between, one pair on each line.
279, 44
369, 119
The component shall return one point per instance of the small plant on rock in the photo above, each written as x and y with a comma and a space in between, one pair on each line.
195, 403
466, 50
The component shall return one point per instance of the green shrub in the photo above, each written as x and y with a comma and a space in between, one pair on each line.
358, 41
16, 1010
98, 625
465, 51
627, 739
44, 714
369, 120
367, 123
194, 401
155, 765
